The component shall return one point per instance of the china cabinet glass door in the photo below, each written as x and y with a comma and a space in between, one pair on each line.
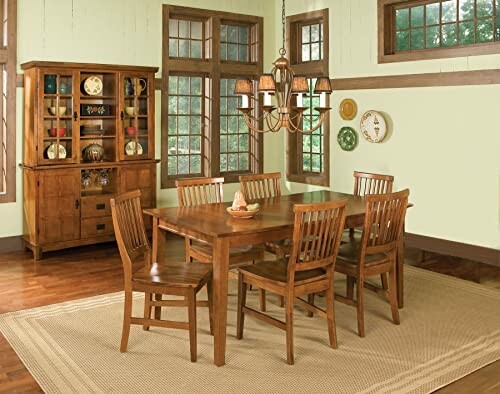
58, 117
136, 117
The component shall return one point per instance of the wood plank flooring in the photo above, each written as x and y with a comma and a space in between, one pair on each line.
88, 271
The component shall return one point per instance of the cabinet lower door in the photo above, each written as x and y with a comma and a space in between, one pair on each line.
59, 206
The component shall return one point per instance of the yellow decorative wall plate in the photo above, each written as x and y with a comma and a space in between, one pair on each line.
348, 109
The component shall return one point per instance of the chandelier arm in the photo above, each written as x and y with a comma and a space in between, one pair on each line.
316, 127
250, 121
277, 125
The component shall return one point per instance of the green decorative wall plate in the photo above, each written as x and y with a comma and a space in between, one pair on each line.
347, 138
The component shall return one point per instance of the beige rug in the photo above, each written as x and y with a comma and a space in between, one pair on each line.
449, 328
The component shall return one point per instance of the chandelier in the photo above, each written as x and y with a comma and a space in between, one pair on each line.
285, 86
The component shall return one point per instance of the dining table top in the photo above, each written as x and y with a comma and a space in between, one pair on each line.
213, 219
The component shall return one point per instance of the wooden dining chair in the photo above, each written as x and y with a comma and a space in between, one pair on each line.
178, 279
259, 186
376, 253
367, 183
309, 269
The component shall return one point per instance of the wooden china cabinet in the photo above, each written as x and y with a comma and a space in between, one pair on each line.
89, 134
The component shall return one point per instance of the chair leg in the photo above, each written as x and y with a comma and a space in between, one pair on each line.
210, 294
127, 316
289, 329
383, 279
360, 307
281, 301
310, 300
393, 297
242, 299
350, 287
192, 324
147, 308
262, 300
330, 316
158, 297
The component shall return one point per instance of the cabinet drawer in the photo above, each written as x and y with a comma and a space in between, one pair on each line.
96, 206
97, 227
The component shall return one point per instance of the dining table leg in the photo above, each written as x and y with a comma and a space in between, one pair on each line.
159, 239
220, 279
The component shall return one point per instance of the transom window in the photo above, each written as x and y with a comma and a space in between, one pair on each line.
312, 42
431, 29
203, 133
235, 43
185, 38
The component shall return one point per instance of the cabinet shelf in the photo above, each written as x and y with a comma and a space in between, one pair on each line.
97, 117
55, 138
97, 137
97, 97
53, 117
63, 96
133, 97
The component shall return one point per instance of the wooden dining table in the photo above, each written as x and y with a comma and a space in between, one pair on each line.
211, 223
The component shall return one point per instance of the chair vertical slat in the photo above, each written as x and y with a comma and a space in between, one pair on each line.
366, 183
196, 191
260, 186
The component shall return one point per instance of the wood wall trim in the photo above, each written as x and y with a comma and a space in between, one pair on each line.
451, 248
455, 78
11, 244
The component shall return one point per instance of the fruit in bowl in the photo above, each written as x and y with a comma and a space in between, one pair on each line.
54, 132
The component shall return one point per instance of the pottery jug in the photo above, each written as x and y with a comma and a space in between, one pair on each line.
50, 84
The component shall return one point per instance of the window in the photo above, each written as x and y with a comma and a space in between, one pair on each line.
308, 153
8, 105
203, 133
413, 30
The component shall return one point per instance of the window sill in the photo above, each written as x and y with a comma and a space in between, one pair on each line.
316, 180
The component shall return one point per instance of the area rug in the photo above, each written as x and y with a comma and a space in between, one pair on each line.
449, 328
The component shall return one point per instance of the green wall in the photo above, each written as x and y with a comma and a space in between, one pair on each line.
444, 142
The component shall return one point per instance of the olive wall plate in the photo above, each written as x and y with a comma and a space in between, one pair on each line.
348, 109
347, 138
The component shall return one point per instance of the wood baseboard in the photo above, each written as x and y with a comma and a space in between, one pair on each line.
11, 244
451, 248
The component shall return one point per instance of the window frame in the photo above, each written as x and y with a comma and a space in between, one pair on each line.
213, 69
386, 38
8, 56
313, 69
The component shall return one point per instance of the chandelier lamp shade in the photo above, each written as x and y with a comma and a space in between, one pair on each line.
288, 90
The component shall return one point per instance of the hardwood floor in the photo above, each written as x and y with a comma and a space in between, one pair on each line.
88, 271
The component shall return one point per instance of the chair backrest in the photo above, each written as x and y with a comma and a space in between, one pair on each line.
316, 236
130, 232
196, 191
384, 220
366, 183
261, 185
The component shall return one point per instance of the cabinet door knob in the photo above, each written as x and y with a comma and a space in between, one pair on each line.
75, 116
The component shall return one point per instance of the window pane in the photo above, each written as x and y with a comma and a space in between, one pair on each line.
306, 163
316, 163
244, 33
466, 33
449, 11
232, 34
484, 8
306, 143
196, 30
173, 47
243, 162
196, 49
432, 14
417, 16
465, 9
183, 29
402, 19
183, 48
195, 164
449, 35
432, 39
232, 53
183, 162
484, 30
315, 33
306, 34
243, 53
417, 38
315, 55
306, 57
173, 28
497, 34
402, 41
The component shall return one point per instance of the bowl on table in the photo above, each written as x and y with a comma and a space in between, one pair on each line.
244, 213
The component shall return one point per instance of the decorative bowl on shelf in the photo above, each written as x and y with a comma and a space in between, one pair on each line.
131, 111
53, 111
93, 153
242, 214
55, 132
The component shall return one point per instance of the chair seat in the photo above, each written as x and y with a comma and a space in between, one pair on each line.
246, 253
174, 274
348, 256
277, 271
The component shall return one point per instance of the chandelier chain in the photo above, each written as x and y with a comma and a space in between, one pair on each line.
283, 23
